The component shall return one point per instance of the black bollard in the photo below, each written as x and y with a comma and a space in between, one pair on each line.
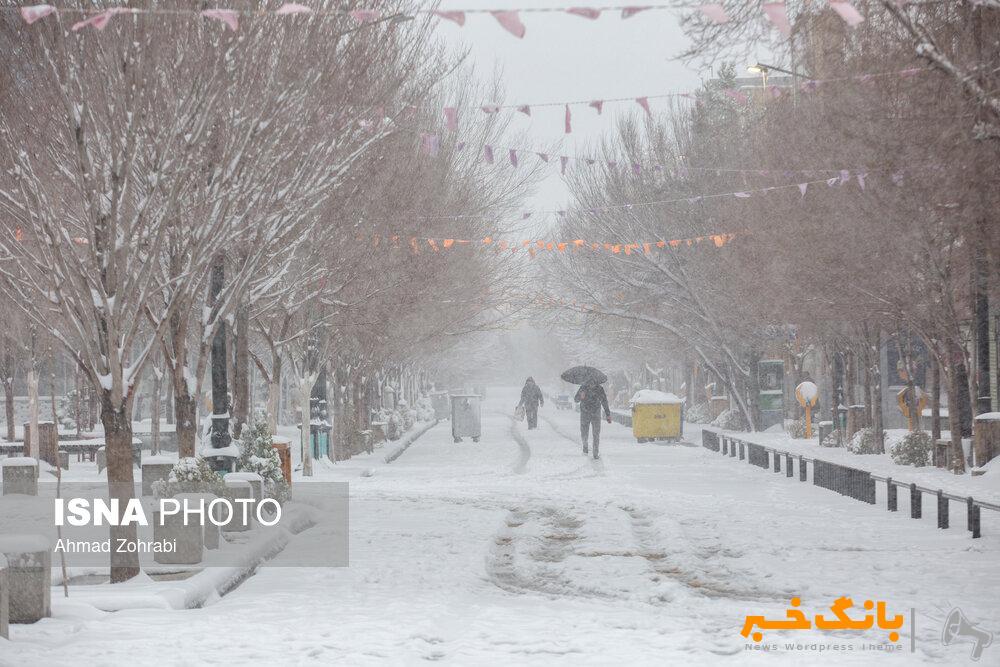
890, 494
916, 501
942, 507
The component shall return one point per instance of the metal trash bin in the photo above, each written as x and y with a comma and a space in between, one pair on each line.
656, 415
466, 418
441, 404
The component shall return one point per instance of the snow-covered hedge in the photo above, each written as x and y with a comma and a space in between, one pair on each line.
863, 442
832, 439
797, 428
191, 474
730, 420
914, 449
698, 414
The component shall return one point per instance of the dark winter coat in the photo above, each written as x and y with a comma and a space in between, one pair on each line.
531, 395
592, 398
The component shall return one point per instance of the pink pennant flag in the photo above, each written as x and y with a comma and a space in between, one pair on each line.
543, 157
525, 215
644, 103
897, 178
513, 157
832, 181
715, 12
457, 17
629, 12
847, 12
490, 108
636, 169
451, 117
778, 16
569, 121
98, 21
585, 12
803, 187
363, 15
861, 179
741, 195
34, 13
810, 86
292, 8
511, 22
563, 161
736, 95
597, 104
488, 154
525, 109
845, 175
431, 143
460, 146
227, 16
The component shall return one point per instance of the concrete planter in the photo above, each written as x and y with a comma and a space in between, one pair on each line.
20, 475
29, 576
189, 539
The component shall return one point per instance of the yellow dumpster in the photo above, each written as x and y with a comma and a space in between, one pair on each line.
656, 415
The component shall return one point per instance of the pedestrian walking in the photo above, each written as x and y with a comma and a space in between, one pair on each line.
592, 398
531, 399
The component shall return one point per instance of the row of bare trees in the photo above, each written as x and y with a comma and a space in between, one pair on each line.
169, 186
903, 245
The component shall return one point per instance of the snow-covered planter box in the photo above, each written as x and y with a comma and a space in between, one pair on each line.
238, 489
914, 449
29, 576
20, 475
155, 468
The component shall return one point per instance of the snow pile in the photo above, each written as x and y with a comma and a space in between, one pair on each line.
654, 397
863, 442
12, 461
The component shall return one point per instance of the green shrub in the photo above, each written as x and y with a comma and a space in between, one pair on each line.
797, 428
258, 455
191, 474
863, 442
914, 449
698, 414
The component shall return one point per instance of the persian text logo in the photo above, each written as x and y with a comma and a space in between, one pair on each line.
957, 626
796, 619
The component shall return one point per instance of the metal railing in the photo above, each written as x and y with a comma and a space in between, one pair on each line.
852, 482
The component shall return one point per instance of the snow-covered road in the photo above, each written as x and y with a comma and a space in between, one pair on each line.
518, 550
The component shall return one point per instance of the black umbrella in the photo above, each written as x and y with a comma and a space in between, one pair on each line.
583, 375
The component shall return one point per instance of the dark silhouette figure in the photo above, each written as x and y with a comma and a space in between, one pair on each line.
592, 398
531, 398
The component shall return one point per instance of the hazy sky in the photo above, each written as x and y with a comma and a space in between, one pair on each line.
564, 57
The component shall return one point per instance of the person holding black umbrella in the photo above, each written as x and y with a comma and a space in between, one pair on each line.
591, 397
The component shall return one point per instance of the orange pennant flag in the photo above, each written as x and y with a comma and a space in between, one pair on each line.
661, 244
433, 245
449, 243
561, 246
488, 240
413, 244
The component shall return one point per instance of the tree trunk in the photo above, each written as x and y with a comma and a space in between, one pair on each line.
31, 442
8, 390
935, 398
154, 412
955, 378
118, 450
304, 395
982, 329
274, 393
186, 408
241, 370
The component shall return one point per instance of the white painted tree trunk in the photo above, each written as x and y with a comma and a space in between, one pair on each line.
31, 444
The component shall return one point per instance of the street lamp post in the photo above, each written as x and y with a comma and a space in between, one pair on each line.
763, 70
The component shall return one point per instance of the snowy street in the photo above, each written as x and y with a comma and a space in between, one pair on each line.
518, 549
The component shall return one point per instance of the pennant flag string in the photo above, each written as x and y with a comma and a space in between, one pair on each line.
834, 181
509, 18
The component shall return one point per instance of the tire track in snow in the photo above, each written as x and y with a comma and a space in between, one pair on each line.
702, 567
524, 456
